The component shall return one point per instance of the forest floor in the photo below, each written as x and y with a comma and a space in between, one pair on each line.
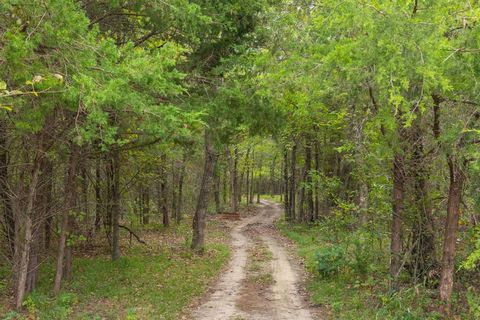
264, 279
153, 281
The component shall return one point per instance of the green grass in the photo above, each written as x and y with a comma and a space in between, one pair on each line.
271, 197
143, 284
360, 288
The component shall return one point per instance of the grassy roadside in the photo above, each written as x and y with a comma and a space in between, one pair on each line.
350, 278
154, 282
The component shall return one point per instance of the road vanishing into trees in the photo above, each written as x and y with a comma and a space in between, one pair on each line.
263, 279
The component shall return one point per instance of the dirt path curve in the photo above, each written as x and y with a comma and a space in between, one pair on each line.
282, 298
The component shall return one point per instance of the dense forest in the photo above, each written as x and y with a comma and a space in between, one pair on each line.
135, 133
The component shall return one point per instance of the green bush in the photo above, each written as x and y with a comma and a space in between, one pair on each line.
361, 258
330, 260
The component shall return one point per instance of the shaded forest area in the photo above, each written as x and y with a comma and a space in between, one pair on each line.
130, 124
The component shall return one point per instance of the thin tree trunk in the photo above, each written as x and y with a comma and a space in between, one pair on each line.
145, 200
252, 180
198, 239
225, 186
162, 192
293, 168
308, 179
98, 196
398, 199
286, 198
174, 191
5, 199
218, 206
114, 165
47, 203
316, 189
233, 179
25, 247
180, 188
242, 175
69, 203
457, 179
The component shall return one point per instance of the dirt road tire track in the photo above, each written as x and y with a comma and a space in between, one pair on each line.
286, 303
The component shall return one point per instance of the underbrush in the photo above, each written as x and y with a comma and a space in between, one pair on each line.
350, 278
149, 282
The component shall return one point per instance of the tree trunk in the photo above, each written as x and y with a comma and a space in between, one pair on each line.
198, 240
423, 239
316, 189
68, 206
218, 205
180, 189
98, 196
23, 249
145, 205
233, 179
293, 188
47, 203
250, 196
457, 179
286, 198
398, 199
174, 190
5, 199
162, 192
114, 166
308, 180
242, 175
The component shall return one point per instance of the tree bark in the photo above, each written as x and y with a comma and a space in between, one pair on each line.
98, 196
162, 192
114, 167
286, 198
23, 249
218, 205
198, 239
68, 206
180, 189
457, 179
293, 188
398, 196
47, 203
316, 189
233, 179
308, 179
5, 199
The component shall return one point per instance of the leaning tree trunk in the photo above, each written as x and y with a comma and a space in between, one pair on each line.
198, 239
24, 247
69, 203
457, 179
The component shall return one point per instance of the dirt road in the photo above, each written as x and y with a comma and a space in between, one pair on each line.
262, 280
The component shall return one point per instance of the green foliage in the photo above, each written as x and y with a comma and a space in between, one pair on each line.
353, 293
330, 261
